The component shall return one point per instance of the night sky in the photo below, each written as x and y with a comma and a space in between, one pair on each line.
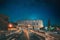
32, 9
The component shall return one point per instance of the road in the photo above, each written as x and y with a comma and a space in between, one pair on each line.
28, 35
47, 35
24, 35
36, 37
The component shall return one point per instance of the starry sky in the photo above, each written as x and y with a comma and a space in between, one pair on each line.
32, 9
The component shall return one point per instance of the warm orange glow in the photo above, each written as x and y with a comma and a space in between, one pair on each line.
28, 25
10, 25
12, 29
26, 34
31, 30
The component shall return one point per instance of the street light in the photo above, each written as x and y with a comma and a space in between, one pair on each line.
10, 25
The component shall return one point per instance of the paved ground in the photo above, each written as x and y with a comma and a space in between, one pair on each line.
29, 35
21, 36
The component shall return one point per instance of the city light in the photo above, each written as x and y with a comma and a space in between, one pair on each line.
10, 25
26, 34
29, 25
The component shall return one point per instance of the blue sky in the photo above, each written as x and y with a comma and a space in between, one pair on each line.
31, 9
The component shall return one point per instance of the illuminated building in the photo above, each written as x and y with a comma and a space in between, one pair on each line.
30, 23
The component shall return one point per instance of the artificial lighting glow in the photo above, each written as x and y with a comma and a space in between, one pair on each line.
10, 25
28, 25
26, 34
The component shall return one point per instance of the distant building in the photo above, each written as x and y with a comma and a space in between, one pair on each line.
30, 23
4, 22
